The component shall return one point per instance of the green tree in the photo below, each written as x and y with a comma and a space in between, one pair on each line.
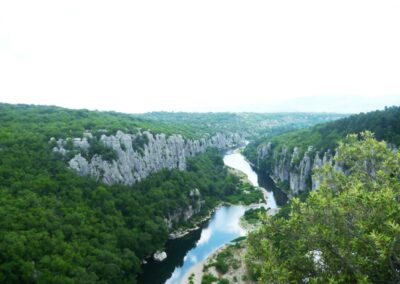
347, 231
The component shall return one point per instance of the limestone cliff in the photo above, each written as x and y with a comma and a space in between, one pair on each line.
293, 170
135, 156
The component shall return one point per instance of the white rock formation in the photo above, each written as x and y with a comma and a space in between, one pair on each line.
160, 256
134, 163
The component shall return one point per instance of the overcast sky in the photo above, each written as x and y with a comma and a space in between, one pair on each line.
208, 55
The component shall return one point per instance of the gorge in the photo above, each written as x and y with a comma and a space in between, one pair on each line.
223, 227
89, 195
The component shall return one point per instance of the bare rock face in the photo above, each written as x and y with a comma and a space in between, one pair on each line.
263, 151
160, 256
184, 214
295, 169
141, 154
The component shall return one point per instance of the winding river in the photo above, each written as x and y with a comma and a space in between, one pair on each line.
220, 229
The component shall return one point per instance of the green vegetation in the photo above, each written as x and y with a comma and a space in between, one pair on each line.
220, 264
347, 231
139, 142
385, 124
228, 262
246, 194
253, 216
238, 239
191, 278
96, 147
57, 227
208, 279
63, 123
251, 124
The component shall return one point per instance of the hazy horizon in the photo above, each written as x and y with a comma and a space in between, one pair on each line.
208, 56
276, 109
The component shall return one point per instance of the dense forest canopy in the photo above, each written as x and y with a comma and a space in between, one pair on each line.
384, 123
347, 231
57, 227
252, 124
54, 121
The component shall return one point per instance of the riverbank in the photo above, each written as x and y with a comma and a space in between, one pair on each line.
238, 273
232, 256
179, 233
195, 274
199, 247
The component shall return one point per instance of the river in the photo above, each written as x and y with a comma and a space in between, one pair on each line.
220, 229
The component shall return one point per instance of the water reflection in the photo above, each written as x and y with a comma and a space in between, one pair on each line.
237, 161
222, 228
157, 272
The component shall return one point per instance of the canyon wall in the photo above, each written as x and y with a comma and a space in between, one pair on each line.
138, 155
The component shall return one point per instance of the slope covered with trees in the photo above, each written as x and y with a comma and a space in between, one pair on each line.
385, 124
347, 231
290, 158
253, 125
57, 227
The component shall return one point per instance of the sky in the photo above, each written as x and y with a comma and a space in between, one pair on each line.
209, 55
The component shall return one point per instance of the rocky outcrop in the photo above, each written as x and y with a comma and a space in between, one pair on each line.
137, 155
160, 256
184, 214
294, 170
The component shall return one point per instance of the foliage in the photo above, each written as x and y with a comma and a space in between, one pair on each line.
191, 278
97, 147
63, 123
57, 227
208, 279
238, 239
139, 142
221, 265
245, 193
347, 231
253, 216
252, 124
385, 124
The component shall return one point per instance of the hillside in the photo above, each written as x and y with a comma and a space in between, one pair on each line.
290, 157
253, 125
58, 226
86, 195
347, 231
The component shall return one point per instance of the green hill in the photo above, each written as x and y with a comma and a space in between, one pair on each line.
384, 123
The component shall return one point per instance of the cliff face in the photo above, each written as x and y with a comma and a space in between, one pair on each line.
294, 169
184, 214
136, 160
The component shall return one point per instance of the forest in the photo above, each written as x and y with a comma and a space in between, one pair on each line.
384, 123
347, 231
252, 125
57, 227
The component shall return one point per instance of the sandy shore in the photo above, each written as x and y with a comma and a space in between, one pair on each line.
197, 269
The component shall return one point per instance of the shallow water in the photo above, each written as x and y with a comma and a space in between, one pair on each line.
220, 229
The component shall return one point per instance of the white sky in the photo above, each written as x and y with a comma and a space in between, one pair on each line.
208, 55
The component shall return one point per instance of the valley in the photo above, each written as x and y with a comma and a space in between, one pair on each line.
99, 194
